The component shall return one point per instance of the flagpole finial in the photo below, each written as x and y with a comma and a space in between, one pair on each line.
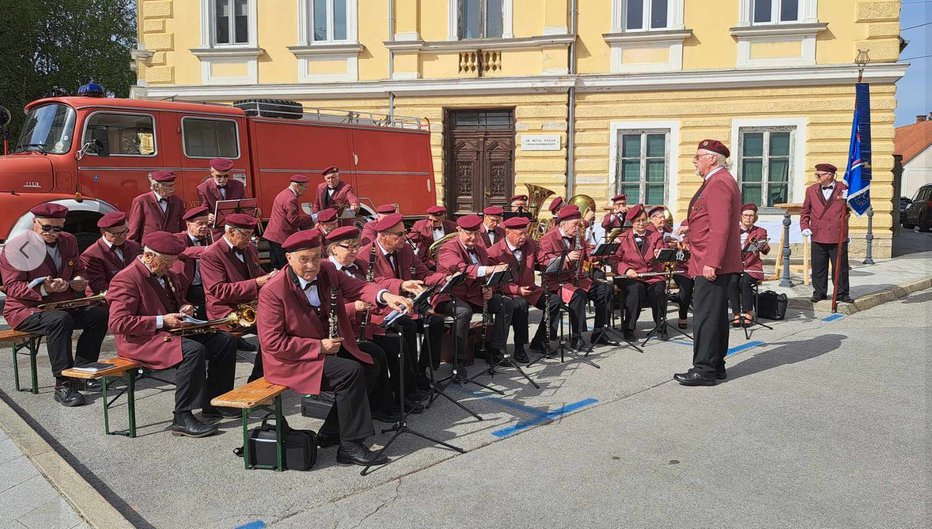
861, 60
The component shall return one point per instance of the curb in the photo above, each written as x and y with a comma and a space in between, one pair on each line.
865, 302
85, 499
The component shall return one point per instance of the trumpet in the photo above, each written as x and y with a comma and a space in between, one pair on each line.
74, 303
334, 318
244, 316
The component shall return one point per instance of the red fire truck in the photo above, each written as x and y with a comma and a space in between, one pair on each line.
93, 154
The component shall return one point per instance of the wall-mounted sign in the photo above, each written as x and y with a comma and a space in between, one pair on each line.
540, 142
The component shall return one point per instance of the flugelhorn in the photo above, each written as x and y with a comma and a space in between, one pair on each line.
74, 303
244, 316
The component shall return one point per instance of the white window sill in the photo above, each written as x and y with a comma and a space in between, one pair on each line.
652, 36
327, 48
778, 30
228, 52
539, 41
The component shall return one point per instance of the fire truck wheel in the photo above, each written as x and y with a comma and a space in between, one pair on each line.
271, 108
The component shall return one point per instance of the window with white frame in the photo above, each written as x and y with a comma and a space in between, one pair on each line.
765, 158
644, 15
230, 22
480, 19
329, 21
774, 11
642, 165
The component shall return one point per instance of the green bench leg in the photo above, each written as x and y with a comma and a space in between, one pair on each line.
279, 437
130, 380
246, 451
32, 345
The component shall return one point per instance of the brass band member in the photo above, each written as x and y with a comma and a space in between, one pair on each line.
753, 244
197, 235
368, 230
58, 277
567, 239
110, 254
286, 218
146, 301
490, 232
295, 310
519, 252
684, 297
334, 193
219, 186
518, 203
424, 232
636, 254
158, 210
233, 276
327, 221
465, 253
824, 215
616, 217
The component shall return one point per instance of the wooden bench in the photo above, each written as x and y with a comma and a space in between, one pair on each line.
124, 370
254, 396
23, 340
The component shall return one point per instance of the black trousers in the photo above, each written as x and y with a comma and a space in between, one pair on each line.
276, 256
350, 381
741, 293
206, 370
822, 254
519, 318
57, 326
257, 363
638, 295
390, 343
195, 295
501, 307
600, 294
685, 296
710, 324
380, 389
431, 343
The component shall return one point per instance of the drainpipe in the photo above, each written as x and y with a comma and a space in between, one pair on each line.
391, 58
571, 108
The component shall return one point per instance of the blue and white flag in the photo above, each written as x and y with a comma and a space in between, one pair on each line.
858, 172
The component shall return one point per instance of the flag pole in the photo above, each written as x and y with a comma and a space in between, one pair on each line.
842, 237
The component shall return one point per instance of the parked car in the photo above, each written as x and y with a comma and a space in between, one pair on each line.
904, 203
917, 213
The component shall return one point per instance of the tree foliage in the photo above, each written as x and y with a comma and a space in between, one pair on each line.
46, 44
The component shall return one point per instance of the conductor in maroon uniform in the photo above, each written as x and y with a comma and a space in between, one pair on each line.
824, 214
220, 186
368, 230
636, 255
334, 193
426, 231
490, 232
286, 218
299, 351
616, 217
58, 277
156, 210
753, 244
146, 301
110, 254
715, 256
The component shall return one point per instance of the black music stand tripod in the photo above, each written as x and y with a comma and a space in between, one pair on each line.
670, 260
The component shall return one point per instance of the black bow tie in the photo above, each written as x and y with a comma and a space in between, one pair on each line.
52, 244
350, 268
238, 253
472, 251
163, 200
222, 187
829, 187
202, 241
311, 284
391, 255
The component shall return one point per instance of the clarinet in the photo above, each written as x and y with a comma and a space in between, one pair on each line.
334, 320
370, 277
579, 263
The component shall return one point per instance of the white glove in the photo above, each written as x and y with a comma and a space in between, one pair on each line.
807, 232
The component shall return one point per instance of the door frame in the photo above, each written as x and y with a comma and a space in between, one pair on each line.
449, 170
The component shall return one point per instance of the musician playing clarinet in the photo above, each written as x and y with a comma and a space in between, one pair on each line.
636, 256
753, 244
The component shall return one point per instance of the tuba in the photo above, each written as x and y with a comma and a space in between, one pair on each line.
585, 203
537, 195
435, 246
244, 316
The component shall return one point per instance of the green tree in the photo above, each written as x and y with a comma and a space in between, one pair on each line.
46, 44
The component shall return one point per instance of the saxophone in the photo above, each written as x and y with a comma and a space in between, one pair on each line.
334, 318
370, 277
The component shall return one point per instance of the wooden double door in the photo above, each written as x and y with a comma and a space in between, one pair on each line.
479, 153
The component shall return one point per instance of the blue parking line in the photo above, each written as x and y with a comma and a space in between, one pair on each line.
258, 524
545, 417
833, 317
744, 346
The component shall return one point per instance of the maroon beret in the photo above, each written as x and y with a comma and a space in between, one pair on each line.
300, 179
715, 146
164, 243
329, 170
622, 196
385, 209
826, 168
302, 240
749, 207
469, 222
327, 215
241, 220
517, 197
555, 205
516, 223
221, 164
493, 210
49, 211
386, 222
193, 213
162, 176
342, 234
655, 209
634, 212
112, 220
569, 213
436, 210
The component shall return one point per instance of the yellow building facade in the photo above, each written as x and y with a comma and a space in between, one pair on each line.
587, 97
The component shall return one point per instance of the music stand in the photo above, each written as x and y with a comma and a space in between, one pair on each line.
249, 206
671, 258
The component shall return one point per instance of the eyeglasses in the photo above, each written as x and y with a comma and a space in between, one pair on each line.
394, 233
349, 247
118, 233
49, 228
645, 219
247, 233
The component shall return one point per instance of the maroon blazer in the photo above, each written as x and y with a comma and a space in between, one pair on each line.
453, 257
343, 197
824, 217
228, 282
753, 265
628, 256
145, 216
101, 263
135, 299
368, 232
714, 213
290, 330
613, 220
484, 233
551, 245
522, 272
286, 217
21, 300
186, 265
422, 234
209, 194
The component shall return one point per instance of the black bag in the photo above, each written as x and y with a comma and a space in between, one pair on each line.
318, 406
771, 305
300, 446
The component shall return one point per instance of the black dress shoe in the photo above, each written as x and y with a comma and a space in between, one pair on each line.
423, 382
388, 416
414, 407
628, 335
600, 337
355, 453
664, 334
244, 345
520, 356
417, 395
186, 424
213, 413
577, 342
326, 440
68, 396
817, 298
721, 375
845, 299
692, 378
